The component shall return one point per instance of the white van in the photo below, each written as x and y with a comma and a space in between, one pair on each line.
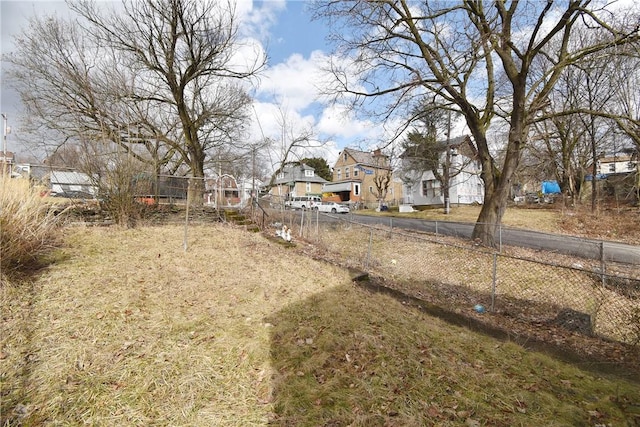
303, 202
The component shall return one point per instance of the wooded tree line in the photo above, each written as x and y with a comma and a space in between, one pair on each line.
165, 83
157, 85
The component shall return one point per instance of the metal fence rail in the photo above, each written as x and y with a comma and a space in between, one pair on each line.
582, 299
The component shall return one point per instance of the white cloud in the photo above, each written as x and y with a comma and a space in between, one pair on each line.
290, 86
248, 55
295, 81
258, 21
281, 125
340, 122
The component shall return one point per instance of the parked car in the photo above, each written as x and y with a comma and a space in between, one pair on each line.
303, 202
332, 207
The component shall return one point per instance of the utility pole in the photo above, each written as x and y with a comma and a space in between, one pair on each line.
447, 166
5, 130
254, 193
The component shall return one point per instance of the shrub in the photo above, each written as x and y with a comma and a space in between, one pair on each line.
28, 228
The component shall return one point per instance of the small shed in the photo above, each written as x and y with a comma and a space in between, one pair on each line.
71, 182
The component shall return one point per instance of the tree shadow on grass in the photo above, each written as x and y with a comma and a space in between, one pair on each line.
371, 356
545, 327
337, 362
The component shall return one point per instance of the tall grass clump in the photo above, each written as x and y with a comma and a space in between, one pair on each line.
28, 228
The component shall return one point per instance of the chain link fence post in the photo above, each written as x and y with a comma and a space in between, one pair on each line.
185, 239
602, 265
493, 281
368, 258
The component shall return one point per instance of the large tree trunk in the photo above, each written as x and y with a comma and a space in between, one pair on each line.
195, 196
490, 218
497, 189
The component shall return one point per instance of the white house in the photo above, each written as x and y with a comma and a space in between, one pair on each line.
422, 188
616, 164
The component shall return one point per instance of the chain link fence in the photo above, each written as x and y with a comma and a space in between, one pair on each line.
577, 294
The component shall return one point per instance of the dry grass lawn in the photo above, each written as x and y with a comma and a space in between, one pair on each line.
126, 328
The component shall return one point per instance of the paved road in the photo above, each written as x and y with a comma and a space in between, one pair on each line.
584, 248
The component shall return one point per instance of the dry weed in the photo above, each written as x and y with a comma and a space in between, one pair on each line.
129, 329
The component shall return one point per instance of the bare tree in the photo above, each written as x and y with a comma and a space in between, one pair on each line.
472, 55
155, 73
293, 144
383, 174
564, 143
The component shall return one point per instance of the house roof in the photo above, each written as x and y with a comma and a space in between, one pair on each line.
460, 143
225, 181
617, 158
297, 174
368, 158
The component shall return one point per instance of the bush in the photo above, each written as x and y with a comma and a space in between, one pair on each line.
28, 228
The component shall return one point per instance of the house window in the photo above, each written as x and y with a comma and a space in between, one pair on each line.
612, 167
308, 187
308, 172
281, 175
344, 157
431, 188
356, 189
355, 171
339, 174
346, 173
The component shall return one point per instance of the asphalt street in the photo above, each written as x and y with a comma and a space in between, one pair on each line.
584, 248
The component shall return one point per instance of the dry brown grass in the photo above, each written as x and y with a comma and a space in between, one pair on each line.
421, 266
128, 329
28, 229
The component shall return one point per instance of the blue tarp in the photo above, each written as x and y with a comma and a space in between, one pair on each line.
598, 176
550, 187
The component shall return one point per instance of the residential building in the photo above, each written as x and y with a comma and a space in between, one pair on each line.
296, 181
616, 164
7, 160
354, 179
618, 175
222, 191
247, 187
422, 188
229, 191
57, 182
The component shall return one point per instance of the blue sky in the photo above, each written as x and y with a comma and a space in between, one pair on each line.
297, 50
295, 32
